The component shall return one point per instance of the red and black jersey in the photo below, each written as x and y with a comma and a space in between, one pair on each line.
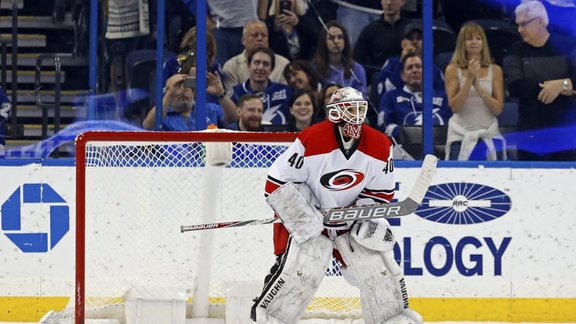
337, 176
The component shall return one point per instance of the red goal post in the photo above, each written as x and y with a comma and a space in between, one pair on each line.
135, 189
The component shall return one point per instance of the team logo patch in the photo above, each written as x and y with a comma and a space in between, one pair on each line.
279, 95
463, 204
341, 179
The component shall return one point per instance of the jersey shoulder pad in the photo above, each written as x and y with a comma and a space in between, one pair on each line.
318, 138
375, 143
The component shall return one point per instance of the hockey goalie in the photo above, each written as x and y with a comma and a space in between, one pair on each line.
338, 162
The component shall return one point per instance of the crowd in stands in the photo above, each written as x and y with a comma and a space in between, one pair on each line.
273, 64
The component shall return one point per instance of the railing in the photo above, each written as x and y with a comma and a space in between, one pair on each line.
14, 71
3, 62
57, 92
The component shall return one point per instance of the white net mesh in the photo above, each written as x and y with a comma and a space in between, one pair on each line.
137, 196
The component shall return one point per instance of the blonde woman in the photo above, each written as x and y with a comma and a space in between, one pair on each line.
475, 90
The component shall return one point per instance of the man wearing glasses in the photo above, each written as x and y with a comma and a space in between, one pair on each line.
541, 73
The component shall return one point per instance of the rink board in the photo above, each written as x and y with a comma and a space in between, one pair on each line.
518, 266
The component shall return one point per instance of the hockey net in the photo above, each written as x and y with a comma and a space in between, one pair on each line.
135, 189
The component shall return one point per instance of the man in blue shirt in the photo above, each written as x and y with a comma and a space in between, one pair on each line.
5, 107
250, 110
273, 95
179, 106
403, 106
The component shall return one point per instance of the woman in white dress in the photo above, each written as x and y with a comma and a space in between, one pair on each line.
475, 89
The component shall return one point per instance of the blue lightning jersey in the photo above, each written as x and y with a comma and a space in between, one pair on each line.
400, 107
275, 99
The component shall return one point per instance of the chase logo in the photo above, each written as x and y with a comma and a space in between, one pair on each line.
463, 203
26, 208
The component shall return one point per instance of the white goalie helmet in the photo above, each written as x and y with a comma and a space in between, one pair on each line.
348, 106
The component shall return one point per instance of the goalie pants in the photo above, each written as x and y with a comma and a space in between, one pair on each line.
291, 288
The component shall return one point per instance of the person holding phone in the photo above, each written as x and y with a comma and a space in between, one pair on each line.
290, 29
178, 105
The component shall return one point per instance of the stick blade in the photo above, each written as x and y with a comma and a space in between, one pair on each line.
424, 179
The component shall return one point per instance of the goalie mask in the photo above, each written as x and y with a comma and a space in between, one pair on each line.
348, 108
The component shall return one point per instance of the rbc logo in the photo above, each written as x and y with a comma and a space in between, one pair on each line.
463, 203
11, 222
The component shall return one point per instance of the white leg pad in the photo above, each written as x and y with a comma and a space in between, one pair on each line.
290, 290
263, 318
408, 316
380, 295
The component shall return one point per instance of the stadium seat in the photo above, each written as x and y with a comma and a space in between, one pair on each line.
507, 121
140, 84
411, 140
509, 115
444, 37
374, 96
441, 60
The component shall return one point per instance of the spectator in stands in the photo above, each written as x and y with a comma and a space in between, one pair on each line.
403, 106
261, 62
255, 35
124, 34
389, 77
303, 110
475, 91
381, 39
301, 75
178, 106
292, 33
250, 110
5, 107
185, 61
561, 14
355, 15
227, 18
333, 59
541, 74
324, 97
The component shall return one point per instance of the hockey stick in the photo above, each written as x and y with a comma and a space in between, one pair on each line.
199, 227
401, 208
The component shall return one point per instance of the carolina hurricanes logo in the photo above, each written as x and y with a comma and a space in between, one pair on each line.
341, 179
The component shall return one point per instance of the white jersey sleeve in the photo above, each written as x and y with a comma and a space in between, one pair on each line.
288, 167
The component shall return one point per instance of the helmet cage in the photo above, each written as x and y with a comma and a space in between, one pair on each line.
353, 112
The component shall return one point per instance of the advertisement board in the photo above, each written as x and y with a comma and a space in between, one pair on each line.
501, 238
